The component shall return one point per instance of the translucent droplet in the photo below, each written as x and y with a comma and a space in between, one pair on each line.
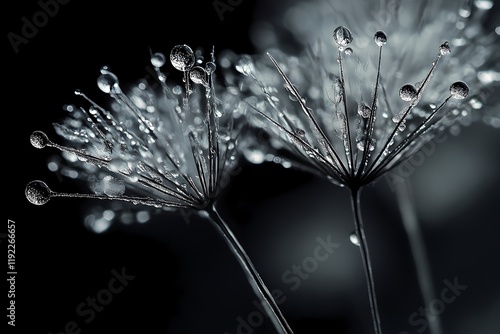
198, 75
210, 67
408, 92
354, 239
445, 49
361, 146
177, 90
459, 90
107, 81
39, 139
254, 155
300, 133
245, 65
348, 51
108, 185
158, 59
483, 4
402, 126
476, 103
465, 9
37, 192
120, 166
363, 110
380, 38
182, 57
342, 36
142, 216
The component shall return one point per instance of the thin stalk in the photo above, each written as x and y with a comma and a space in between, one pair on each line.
365, 257
253, 277
418, 249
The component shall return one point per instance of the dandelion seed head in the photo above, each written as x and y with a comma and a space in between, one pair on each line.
377, 104
157, 145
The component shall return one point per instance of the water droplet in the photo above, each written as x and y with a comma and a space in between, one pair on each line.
254, 155
119, 166
348, 51
142, 216
210, 67
39, 139
363, 110
445, 49
37, 192
182, 57
354, 239
380, 38
300, 133
245, 65
158, 59
465, 9
408, 92
361, 146
342, 36
198, 75
107, 81
108, 185
402, 126
483, 4
177, 90
459, 90
476, 103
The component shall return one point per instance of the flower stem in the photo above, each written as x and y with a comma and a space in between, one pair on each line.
253, 277
365, 256
418, 249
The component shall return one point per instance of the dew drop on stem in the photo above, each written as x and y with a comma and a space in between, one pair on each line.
380, 38
39, 139
37, 192
354, 238
158, 59
342, 36
445, 48
182, 57
407, 92
459, 90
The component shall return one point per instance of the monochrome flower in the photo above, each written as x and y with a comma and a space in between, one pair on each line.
171, 149
161, 145
351, 90
352, 110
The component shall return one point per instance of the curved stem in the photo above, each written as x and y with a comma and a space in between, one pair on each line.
253, 277
365, 256
418, 249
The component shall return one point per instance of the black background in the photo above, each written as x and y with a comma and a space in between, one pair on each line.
186, 281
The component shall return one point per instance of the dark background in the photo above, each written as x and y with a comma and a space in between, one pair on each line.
186, 281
